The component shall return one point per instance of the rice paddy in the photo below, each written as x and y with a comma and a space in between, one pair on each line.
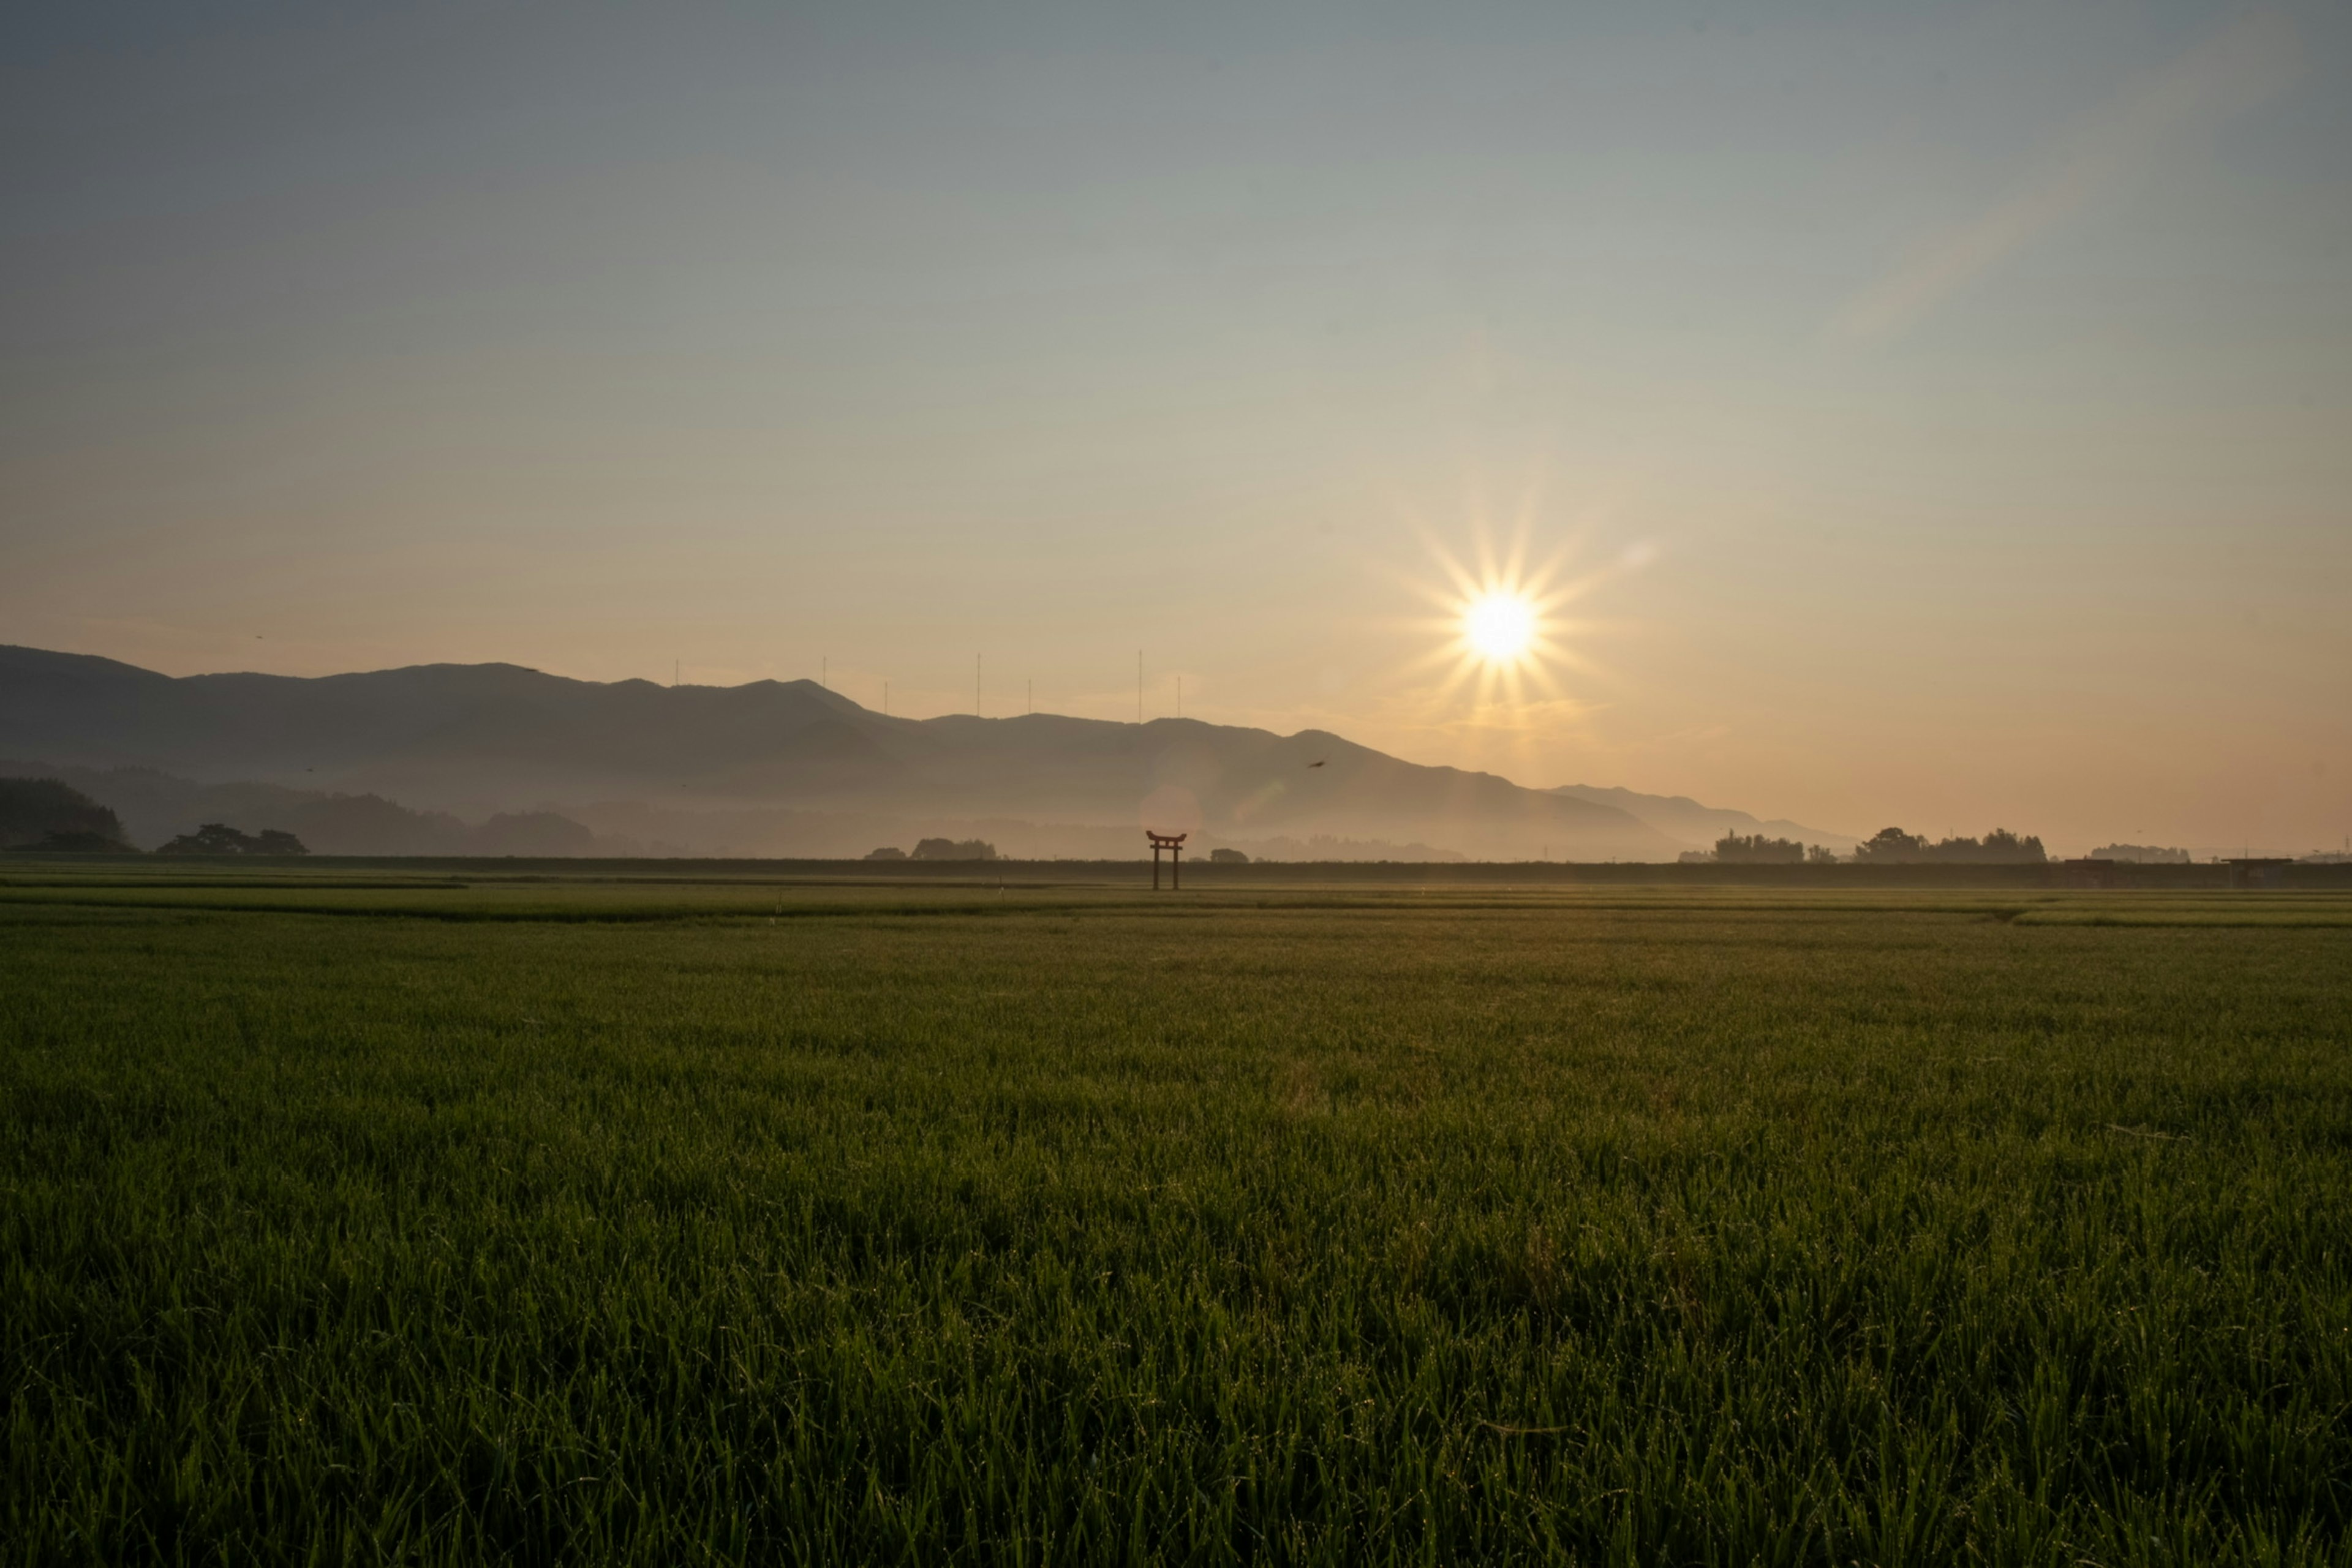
357, 1217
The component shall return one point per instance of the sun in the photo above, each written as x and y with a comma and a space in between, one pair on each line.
1506, 632
1500, 628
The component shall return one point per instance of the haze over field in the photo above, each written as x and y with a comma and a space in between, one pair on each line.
1852, 416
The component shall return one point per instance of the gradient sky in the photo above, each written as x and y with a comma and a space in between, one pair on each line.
1947, 410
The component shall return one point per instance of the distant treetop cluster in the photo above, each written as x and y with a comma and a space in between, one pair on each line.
1892, 846
1756, 849
1887, 847
219, 838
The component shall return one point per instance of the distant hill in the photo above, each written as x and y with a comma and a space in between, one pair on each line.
39, 810
1680, 817
500, 736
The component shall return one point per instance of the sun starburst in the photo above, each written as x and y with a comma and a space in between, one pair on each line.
1506, 649
1501, 630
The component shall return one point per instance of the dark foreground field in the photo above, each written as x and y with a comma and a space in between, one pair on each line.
345, 1220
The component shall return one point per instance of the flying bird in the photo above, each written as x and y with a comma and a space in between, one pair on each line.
1318, 761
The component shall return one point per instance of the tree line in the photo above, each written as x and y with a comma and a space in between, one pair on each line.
1887, 847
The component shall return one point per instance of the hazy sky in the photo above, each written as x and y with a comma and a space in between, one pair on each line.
1948, 407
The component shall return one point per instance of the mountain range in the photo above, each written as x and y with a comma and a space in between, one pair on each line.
771, 767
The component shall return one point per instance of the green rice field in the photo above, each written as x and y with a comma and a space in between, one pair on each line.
355, 1216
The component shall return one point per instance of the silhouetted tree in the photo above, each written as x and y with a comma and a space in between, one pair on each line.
1755, 850
1890, 845
212, 838
1228, 857
220, 838
2001, 846
887, 852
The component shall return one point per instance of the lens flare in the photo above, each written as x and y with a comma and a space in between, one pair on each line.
1511, 632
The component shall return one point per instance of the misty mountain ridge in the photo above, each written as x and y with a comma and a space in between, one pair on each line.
155, 807
798, 761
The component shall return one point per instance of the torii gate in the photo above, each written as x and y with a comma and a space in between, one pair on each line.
1174, 843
